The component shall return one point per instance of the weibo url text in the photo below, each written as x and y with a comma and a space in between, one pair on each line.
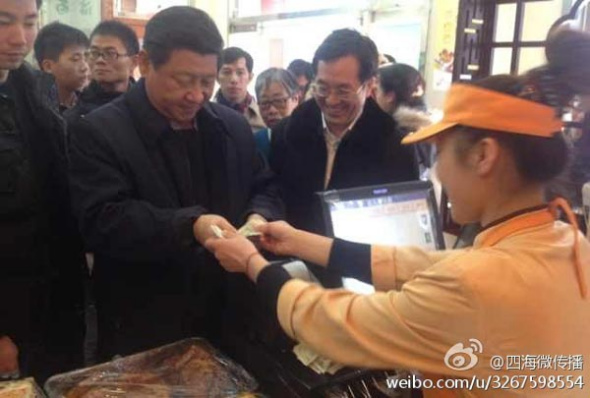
493, 382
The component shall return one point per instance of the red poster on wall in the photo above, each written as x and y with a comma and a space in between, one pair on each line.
272, 6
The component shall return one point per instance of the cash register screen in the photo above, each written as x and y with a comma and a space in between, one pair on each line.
402, 214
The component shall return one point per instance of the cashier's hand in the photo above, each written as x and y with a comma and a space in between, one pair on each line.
279, 238
233, 252
8, 356
202, 227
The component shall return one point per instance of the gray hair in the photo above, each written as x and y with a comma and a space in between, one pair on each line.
276, 75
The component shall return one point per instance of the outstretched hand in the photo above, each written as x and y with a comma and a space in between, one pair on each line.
202, 227
233, 252
279, 238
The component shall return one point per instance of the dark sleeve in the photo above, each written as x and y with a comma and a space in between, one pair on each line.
351, 260
112, 221
269, 284
264, 191
403, 160
72, 114
277, 145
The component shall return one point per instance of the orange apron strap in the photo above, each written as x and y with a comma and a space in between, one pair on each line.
540, 218
564, 205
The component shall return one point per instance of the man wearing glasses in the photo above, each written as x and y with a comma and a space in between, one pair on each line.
340, 140
112, 58
278, 95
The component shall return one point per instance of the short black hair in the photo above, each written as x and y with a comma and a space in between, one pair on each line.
180, 28
401, 79
566, 74
119, 30
299, 67
345, 42
232, 54
54, 38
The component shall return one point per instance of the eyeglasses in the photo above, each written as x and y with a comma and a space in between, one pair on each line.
278, 103
107, 55
322, 91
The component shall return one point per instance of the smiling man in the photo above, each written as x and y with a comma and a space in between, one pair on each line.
152, 172
41, 259
342, 139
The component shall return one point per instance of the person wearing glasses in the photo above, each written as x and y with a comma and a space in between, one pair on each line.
59, 51
341, 139
112, 58
278, 95
514, 305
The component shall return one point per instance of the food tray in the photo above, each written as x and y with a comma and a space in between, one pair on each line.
188, 368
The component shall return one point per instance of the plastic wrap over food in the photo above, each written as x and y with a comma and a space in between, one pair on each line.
188, 368
26, 388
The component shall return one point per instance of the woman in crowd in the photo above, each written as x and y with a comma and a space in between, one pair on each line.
400, 92
399, 86
521, 290
278, 94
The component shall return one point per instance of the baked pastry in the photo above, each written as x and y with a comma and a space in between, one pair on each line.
128, 385
18, 389
119, 391
173, 371
202, 372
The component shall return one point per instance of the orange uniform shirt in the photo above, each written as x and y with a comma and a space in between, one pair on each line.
515, 291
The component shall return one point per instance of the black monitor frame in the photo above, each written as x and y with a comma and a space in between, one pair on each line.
375, 191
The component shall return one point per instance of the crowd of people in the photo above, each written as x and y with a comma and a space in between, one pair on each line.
130, 175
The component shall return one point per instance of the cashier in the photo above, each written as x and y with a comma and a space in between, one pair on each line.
520, 290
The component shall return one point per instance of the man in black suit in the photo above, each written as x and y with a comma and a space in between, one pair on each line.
340, 138
152, 172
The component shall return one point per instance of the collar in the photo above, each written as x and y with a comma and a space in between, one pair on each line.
330, 137
532, 219
95, 92
240, 107
151, 123
511, 225
513, 215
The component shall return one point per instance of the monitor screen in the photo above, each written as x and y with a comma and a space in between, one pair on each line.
396, 215
403, 214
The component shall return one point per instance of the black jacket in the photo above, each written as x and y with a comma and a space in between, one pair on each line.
41, 257
370, 154
91, 98
155, 284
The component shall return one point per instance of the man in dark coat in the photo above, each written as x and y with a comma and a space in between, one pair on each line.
41, 257
112, 58
152, 172
341, 138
